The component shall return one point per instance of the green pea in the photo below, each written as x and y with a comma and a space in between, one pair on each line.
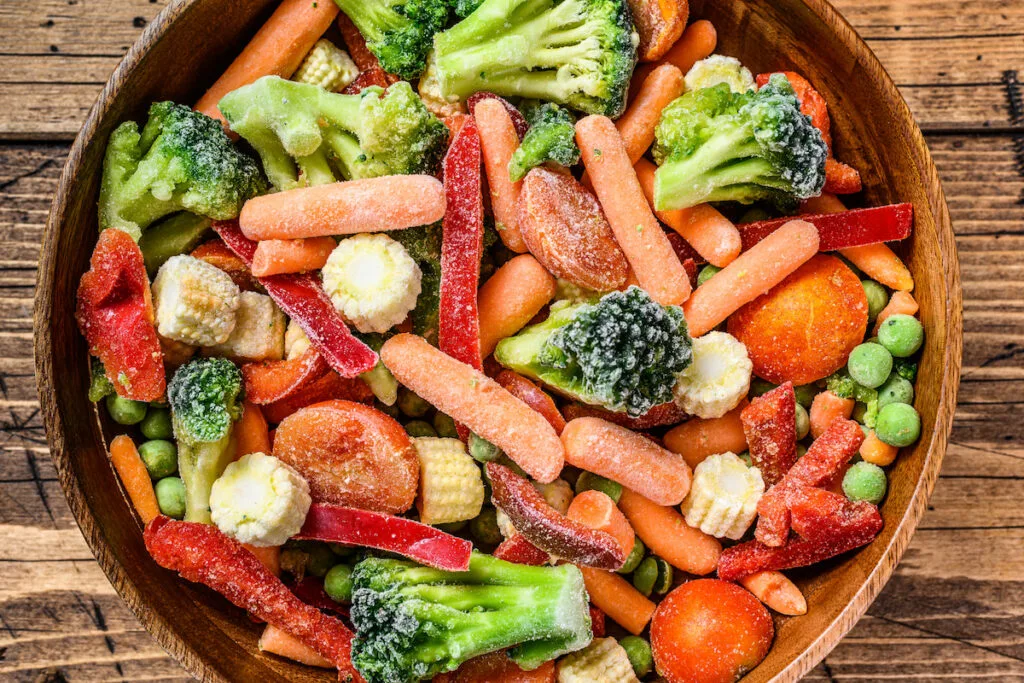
588, 481
759, 387
898, 424
646, 575
864, 481
160, 456
170, 496
391, 411
745, 457
805, 394
338, 583
157, 424
445, 426
420, 428
895, 390
412, 405
483, 450
640, 656
901, 334
801, 451
877, 295
636, 555
484, 527
706, 273
869, 365
125, 411
664, 582
803, 422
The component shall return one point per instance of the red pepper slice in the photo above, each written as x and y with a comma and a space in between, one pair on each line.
853, 228
532, 395
217, 254
201, 553
597, 622
330, 386
311, 591
276, 380
519, 550
518, 120
548, 529
661, 415
115, 315
769, 423
374, 76
420, 542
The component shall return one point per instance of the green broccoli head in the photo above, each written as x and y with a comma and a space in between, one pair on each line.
181, 160
578, 53
463, 8
717, 145
622, 353
424, 246
399, 33
551, 137
307, 136
413, 622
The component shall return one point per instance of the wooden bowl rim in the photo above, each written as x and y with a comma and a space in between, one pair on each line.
180, 649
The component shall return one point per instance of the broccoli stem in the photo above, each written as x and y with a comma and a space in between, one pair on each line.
200, 464
681, 183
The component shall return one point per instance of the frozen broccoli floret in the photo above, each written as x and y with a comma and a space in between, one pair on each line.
551, 137
399, 33
423, 244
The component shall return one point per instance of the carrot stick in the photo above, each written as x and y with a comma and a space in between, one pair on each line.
370, 205
281, 643
510, 298
597, 511
878, 452
826, 409
270, 556
637, 231
752, 274
498, 141
274, 257
697, 42
696, 439
709, 232
776, 591
477, 401
277, 49
134, 477
251, 432
637, 124
618, 599
667, 534
900, 303
629, 458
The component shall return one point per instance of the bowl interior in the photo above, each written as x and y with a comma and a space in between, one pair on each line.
184, 50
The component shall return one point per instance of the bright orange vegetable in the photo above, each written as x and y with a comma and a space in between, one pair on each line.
696, 439
697, 42
510, 298
667, 534
617, 598
283, 644
776, 591
134, 477
274, 257
251, 433
498, 141
826, 408
597, 511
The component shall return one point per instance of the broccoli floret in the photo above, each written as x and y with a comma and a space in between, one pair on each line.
205, 398
100, 385
463, 8
905, 368
622, 353
716, 145
551, 137
308, 136
414, 622
424, 246
399, 33
579, 53
844, 386
181, 160
176, 235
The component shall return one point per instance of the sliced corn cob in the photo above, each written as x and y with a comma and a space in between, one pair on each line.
328, 66
451, 487
430, 92
603, 661
296, 342
258, 334
723, 497
196, 303
717, 379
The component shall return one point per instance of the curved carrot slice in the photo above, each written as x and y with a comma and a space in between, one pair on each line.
596, 510
666, 533
617, 598
826, 409
776, 591
274, 257
879, 262
510, 298
498, 141
696, 439
274, 380
134, 477
281, 643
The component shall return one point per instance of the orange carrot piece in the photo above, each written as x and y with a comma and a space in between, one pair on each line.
824, 203
752, 274
283, 644
391, 202
134, 477
496, 667
710, 233
776, 591
659, 24
498, 141
618, 599
510, 298
637, 124
697, 42
596, 510
251, 433
900, 303
477, 401
637, 231
880, 263
629, 458
274, 257
878, 452
667, 534
277, 49
270, 556
826, 409
696, 439
841, 178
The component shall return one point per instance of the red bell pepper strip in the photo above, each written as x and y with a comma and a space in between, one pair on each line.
519, 550
217, 254
597, 622
311, 591
532, 395
769, 423
115, 314
853, 228
203, 554
276, 380
305, 302
518, 120
547, 528
330, 386
374, 76
420, 542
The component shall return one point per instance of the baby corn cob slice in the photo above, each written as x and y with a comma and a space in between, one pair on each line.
603, 661
723, 497
451, 487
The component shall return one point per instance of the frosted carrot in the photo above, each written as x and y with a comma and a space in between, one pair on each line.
776, 591
827, 408
637, 124
283, 644
597, 511
696, 439
498, 141
510, 298
134, 477
752, 274
710, 233
475, 400
899, 303
270, 556
277, 49
274, 257
668, 536
697, 42
618, 599
370, 205
629, 458
251, 433
878, 452
637, 231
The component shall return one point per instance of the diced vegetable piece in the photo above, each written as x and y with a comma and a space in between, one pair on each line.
274, 257
826, 409
451, 488
901, 303
258, 334
853, 228
776, 592
519, 550
196, 303
659, 24
259, 500
251, 433
717, 379
769, 423
134, 476
281, 643
596, 510
724, 496
272, 381
841, 178
603, 661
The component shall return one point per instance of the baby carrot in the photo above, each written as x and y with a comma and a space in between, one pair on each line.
776, 591
510, 298
629, 458
826, 408
283, 644
274, 257
697, 42
878, 452
618, 599
496, 667
270, 556
668, 536
251, 434
134, 477
477, 401
752, 274
637, 231
696, 439
710, 233
346, 208
596, 510
900, 303
498, 141
637, 124
277, 49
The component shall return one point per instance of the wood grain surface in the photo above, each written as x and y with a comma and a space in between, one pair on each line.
955, 608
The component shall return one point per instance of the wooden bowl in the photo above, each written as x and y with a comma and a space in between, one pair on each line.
183, 51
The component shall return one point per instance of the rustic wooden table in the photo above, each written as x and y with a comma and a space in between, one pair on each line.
955, 608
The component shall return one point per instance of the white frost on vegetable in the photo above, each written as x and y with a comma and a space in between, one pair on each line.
196, 303
717, 379
258, 334
259, 500
296, 342
603, 661
723, 497
716, 69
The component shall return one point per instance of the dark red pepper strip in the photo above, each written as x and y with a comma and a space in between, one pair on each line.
520, 551
518, 120
533, 396
548, 529
769, 423
201, 553
420, 542
853, 228
311, 591
683, 250
276, 380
